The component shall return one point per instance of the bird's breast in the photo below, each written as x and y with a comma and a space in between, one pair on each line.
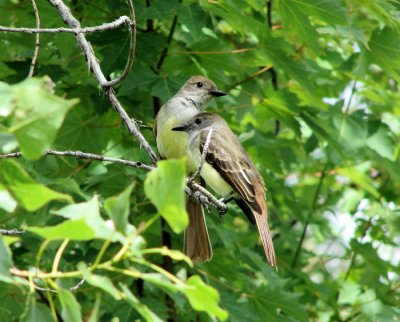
173, 144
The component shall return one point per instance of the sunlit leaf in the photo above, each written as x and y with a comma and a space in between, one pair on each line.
29, 193
5, 263
99, 281
71, 310
164, 186
118, 208
204, 298
40, 115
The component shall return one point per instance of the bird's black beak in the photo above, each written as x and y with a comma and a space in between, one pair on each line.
217, 93
180, 128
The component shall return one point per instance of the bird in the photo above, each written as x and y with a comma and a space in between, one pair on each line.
192, 98
229, 171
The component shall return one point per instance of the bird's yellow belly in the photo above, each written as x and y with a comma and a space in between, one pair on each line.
214, 180
173, 144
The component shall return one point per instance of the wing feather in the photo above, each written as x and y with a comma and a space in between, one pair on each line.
227, 156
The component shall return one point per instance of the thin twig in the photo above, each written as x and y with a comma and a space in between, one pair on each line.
160, 61
250, 77
11, 232
77, 286
94, 66
222, 52
169, 39
83, 155
274, 76
123, 20
37, 42
203, 156
132, 48
269, 14
204, 196
72, 289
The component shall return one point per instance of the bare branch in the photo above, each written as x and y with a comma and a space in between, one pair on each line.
94, 66
132, 48
37, 42
194, 190
72, 289
83, 155
123, 20
203, 156
77, 286
204, 196
11, 232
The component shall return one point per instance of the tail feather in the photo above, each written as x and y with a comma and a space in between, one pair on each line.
265, 236
197, 245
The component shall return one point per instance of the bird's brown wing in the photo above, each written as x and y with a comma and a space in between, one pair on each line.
227, 156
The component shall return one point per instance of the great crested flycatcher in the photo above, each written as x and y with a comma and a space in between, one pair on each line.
190, 100
228, 170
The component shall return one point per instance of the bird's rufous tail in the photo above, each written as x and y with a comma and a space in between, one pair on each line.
265, 236
197, 245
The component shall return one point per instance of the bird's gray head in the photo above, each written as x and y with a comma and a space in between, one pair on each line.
200, 90
199, 122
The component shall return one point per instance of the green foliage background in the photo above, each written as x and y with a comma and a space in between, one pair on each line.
314, 91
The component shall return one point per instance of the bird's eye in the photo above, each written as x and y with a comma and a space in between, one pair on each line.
197, 121
199, 84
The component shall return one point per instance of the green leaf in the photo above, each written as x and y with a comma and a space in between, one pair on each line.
192, 20
35, 311
40, 115
380, 140
385, 51
6, 105
5, 263
276, 51
84, 223
292, 15
358, 177
72, 229
160, 281
174, 254
352, 130
99, 281
271, 303
204, 298
141, 308
330, 11
321, 130
94, 314
71, 310
7, 202
82, 210
164, 186
117, 208
370, 256
29, 193
349, 293
13, 301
